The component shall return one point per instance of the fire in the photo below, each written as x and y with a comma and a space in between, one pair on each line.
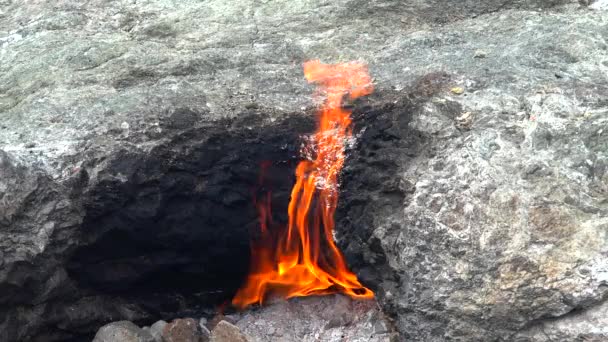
303, 259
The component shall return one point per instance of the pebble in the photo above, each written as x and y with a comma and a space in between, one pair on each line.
457, 90
202, 322
480, 54
156, 330
181, 330
227, 332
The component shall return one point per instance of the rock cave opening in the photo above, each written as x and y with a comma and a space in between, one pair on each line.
168, 230
178, 219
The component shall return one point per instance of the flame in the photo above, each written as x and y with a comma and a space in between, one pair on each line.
303, 259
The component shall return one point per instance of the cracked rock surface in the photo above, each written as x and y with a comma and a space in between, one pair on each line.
474, 202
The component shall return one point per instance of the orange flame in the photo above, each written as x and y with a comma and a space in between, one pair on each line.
303, 259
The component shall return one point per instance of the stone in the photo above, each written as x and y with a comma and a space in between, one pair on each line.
202, 322
590, 325
227, 332
465, 120
457, 90
325, 318
222, 317
205, 334
181, 330
480, 54
156, 330
122, 331
204, 329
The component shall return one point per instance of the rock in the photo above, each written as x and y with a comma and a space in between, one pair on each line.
222, 317
122, 331
149, 121
589, 325
227, 332
480, 54
205, 334
601, 5
156, 330
465, 120
457, 90
182, 330
326, 318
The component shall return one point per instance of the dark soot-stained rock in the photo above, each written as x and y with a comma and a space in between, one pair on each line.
474, 201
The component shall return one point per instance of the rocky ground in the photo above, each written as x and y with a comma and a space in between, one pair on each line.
474, 202
331, 318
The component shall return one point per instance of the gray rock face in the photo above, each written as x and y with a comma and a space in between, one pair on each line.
474, 201
588, 325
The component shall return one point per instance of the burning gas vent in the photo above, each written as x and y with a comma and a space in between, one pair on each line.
173, 231
302, 259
